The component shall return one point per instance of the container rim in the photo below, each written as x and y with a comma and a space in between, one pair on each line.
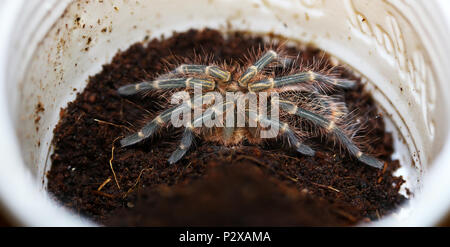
25, 205
20, 199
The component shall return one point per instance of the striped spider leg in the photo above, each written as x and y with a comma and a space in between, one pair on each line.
212, 70
284, 130
164, 118
302, 77
332, 128
170, 83
257, 67
188, 135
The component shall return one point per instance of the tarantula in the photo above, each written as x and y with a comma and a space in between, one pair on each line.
302, 98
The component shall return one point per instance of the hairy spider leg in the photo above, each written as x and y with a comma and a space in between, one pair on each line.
285, 62
331, 127
188, 135
213, 71
285, 131
309, 76
190, 82
257, 67
150, 128
185, 144
332, 108
329, 107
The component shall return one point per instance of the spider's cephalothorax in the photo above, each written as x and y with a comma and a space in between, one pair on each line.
300, 97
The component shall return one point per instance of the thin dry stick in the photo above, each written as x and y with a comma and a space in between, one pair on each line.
285, 156
241, 157
138, 106
258, 162
378, 214
325, 187
103, 194
111, 160
136, 183
112, 124
250, 158
345, 215
291, 178
104, 184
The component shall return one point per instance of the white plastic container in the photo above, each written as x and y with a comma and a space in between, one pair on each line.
400, 47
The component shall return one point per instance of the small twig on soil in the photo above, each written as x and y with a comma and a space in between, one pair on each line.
138, 106
104, 184
103, 194
243, 157
285, 156
295, 180
79, 117
325, 187
111, 160
112, 124
189, 165
378, 214
346, 215
136, 183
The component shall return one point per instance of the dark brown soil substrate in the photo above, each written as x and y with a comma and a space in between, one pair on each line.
233, 195
212, 185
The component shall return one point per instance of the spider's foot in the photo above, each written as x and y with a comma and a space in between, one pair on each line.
176, 156
143, 134
306, 150
131, 140
132, 89
371, 161
346, 84
185, 144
